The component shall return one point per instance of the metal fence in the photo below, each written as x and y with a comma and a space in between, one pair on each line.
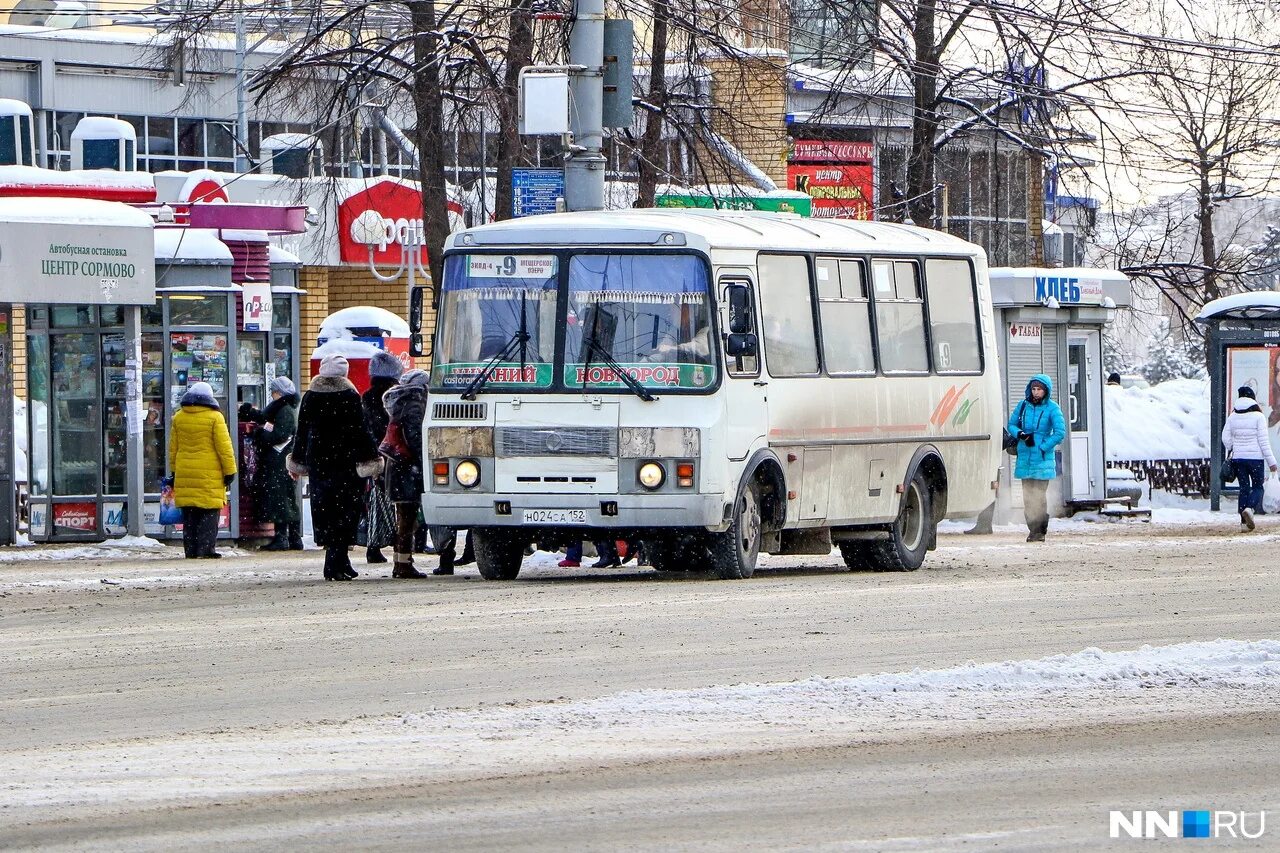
1187, 477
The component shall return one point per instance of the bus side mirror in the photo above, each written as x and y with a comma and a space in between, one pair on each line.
415, 321
739, 298
740, 345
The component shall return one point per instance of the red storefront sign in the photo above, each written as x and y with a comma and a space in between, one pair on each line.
838, 190
80, 517
399, 206
826, 151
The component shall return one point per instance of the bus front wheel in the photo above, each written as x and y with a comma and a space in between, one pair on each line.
734, 552
498, 556
912, 531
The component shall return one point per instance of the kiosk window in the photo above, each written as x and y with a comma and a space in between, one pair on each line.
953, 319
899, 317
790, 348
846, 318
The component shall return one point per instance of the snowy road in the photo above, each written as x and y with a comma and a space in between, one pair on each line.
999, 698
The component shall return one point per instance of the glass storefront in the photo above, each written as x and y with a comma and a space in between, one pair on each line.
77, 376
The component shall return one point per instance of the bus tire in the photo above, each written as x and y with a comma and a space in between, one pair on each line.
734, 553
913, 530
857, 555
498, 556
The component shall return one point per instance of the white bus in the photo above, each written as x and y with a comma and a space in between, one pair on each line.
714, 384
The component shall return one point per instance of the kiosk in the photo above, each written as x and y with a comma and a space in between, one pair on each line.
1242, 346
1050, 321
90, 261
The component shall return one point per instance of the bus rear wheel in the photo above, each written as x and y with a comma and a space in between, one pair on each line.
912, 531
734, 552
498, 555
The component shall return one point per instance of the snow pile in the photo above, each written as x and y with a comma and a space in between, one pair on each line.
193, 245
71, 211
124, 548
1165, 421
363, 317
347, 347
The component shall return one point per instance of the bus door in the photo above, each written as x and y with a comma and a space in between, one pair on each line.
745, 389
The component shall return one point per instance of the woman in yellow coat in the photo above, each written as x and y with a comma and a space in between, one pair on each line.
203, 464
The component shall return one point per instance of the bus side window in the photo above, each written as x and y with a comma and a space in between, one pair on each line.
846, 317
899, 317
953, 316
786, 298
740, 326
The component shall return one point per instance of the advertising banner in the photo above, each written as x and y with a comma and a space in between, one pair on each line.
836, 190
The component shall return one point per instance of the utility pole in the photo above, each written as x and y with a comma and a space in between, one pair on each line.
242, 114
584, 168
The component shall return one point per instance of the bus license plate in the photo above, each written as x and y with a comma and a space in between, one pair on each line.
555, 516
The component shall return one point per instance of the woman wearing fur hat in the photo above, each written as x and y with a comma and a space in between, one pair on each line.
203, 464
333, 447
275, 494
384, 373
1246, 440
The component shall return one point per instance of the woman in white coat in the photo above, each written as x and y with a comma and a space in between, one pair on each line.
1247, 442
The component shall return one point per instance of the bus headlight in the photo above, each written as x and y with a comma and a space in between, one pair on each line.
467, 473
651, 475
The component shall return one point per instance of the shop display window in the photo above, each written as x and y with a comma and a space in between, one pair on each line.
196, 310
38, 395
115, 424
281, 337
198, 357
74, 316
113, 315
74, 364
251, 370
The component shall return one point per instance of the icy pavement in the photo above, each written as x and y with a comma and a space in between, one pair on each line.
1090, 686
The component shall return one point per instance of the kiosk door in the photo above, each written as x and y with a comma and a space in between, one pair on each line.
1084, 415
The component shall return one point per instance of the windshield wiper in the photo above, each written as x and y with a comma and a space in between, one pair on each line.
519, 338
627, 379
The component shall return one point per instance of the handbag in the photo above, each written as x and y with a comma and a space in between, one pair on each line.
381, 515
1010, 440
393, 445
170, 513
1227, 474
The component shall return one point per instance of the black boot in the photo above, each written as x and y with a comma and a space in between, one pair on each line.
468, 553
334, 557
295, 536
279, 542
446, 563
374, 555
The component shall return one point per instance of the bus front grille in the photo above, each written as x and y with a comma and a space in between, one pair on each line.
459, 411
573, 441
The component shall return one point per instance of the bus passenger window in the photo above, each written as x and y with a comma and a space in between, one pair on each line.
790, 347
953, 317
846, 319
899, 317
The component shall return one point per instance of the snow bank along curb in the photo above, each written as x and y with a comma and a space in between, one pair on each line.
1091, 685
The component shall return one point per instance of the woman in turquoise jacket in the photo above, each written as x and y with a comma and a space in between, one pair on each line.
1037, 422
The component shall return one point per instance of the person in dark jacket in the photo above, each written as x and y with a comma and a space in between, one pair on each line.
406, 406
334, 449
203, 464
275, 494
1038, 423
384, 373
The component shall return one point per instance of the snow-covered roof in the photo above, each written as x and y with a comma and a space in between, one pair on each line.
34, 176
704, 228
71, 211
277, 255
101, 127
364, 317
347, 348
1254, 305
288, 141
245, 235
12, 106
192, 246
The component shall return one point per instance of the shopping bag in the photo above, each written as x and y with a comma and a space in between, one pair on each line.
169, 511
381, 528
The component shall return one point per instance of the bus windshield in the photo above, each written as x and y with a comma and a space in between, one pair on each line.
497, 307
648, 314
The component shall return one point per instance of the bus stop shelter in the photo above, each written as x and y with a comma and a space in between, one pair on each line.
1242, 347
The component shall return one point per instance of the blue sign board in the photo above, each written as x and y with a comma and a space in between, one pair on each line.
535, 191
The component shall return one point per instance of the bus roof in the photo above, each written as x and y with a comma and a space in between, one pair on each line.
706, 229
